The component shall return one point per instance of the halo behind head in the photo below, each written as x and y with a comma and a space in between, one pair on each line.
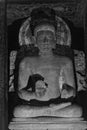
47, 21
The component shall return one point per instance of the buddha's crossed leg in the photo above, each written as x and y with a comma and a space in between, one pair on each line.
60, 110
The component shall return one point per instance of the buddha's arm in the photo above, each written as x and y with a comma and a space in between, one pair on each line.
24, 74
26, 95
69, 74
68, 84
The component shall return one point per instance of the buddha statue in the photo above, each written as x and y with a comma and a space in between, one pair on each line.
46, 80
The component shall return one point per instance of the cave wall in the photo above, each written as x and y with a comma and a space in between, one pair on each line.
3, 67
85, 39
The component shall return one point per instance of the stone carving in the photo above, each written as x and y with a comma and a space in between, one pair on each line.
71, 10
63, 34
79, 58
44, 73
80, 69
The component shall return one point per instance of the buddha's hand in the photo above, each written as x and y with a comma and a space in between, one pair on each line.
67, 91
40, 88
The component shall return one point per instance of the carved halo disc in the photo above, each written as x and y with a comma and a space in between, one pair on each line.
63, 33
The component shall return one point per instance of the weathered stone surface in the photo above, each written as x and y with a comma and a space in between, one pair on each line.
85, 39
49, 123
3, 67
72, 10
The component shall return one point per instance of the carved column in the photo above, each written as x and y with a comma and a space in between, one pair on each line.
3, 67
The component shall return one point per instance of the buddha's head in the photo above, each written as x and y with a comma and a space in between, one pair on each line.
45, 37
43, 26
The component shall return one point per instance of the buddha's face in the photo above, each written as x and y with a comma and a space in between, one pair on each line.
45, 40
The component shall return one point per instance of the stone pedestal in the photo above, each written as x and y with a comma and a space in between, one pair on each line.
48, 123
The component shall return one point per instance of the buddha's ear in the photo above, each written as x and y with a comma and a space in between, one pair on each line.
34, 41
55, 38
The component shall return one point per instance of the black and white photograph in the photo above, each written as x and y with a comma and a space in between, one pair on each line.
43, 65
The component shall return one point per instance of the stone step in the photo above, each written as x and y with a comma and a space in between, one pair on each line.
46, 119
48, 123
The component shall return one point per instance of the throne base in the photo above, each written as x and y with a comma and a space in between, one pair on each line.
48, 123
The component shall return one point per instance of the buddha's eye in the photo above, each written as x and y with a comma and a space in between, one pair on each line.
41, 37
49, 37
45, 37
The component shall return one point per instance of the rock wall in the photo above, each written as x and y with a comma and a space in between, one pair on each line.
3, 67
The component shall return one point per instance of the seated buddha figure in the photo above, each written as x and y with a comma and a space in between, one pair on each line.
46, 82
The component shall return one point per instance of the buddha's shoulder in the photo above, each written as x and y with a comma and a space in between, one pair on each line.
29, 60
63, 59
25, 59
38, 60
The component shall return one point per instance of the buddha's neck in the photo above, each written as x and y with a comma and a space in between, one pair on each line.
46, 53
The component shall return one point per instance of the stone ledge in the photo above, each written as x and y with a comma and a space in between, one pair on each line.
48, 123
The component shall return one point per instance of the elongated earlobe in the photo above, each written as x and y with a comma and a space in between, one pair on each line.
34, 41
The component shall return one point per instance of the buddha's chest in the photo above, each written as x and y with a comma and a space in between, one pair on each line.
49, 67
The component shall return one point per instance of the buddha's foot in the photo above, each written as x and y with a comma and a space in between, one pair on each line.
57, 111
69, 111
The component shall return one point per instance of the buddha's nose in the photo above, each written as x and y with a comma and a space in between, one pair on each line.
45, 39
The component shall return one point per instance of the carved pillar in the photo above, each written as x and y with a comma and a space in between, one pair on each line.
3, 67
